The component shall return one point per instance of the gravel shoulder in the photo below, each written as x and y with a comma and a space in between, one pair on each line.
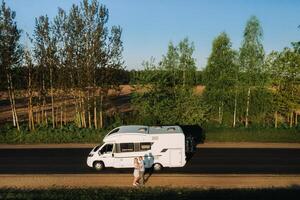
158, 180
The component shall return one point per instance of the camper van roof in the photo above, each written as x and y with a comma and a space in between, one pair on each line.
146, 129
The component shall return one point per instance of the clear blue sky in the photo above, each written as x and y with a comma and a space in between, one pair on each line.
148, 26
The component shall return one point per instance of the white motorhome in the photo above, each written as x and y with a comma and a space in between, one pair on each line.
160, 146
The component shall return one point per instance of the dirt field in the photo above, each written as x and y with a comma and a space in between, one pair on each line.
164, 180
117, 100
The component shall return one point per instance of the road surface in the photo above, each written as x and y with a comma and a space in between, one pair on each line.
205, 161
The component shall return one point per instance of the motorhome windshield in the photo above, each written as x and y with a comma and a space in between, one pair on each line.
106, 149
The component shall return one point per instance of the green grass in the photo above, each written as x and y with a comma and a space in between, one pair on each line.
152, 193
73, 134
252, 135
46, 135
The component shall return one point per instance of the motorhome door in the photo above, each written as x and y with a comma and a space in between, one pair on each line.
107, 155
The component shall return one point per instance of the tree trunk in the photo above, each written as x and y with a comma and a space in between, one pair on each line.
30, 112
291, 119
56, 115
65, 112
247, 108
14, 105
89, 110
101, 111
38, 113
83, 113
46, 118
77, 113
296, 119
234, 111
11, 101
221, 113
61, 115
95, 112
44, 111
276, 119
52, 99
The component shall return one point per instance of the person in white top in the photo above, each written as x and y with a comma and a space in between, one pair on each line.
141, 170
136, 171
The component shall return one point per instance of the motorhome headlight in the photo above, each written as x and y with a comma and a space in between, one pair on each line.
91, 155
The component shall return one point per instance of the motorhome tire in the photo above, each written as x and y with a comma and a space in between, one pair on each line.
99, 165
157, 167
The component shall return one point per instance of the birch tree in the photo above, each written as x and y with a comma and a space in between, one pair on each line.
220, 77
30, 89
44, 51
10, 53
251, 59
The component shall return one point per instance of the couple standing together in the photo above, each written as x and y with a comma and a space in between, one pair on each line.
139, 170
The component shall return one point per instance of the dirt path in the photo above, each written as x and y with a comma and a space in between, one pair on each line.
165, 180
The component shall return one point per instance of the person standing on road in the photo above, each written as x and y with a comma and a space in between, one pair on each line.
142, 170
136, 172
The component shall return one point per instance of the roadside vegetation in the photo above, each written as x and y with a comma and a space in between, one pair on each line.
223, 134
151, 193
62, 77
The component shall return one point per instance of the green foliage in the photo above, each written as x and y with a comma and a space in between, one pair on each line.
10, 47
252, 54
220, 75
284, 70
45, 135
168, 97
259, 134
150, 193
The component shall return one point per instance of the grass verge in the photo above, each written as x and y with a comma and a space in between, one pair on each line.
72, 134
252, 135
152, 193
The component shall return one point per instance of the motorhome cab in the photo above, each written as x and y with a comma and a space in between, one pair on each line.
160, 146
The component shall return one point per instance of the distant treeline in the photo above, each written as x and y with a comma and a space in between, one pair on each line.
75, 59
124, 77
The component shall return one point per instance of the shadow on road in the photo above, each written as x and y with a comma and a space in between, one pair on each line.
194, 135
148, 174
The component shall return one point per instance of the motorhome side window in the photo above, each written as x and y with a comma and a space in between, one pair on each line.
127, 147
130, 147
107, 149
145, 146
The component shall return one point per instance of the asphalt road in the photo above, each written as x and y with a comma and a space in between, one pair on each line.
204, 161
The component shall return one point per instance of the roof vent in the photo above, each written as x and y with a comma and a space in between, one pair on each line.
171, 129
142, 129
